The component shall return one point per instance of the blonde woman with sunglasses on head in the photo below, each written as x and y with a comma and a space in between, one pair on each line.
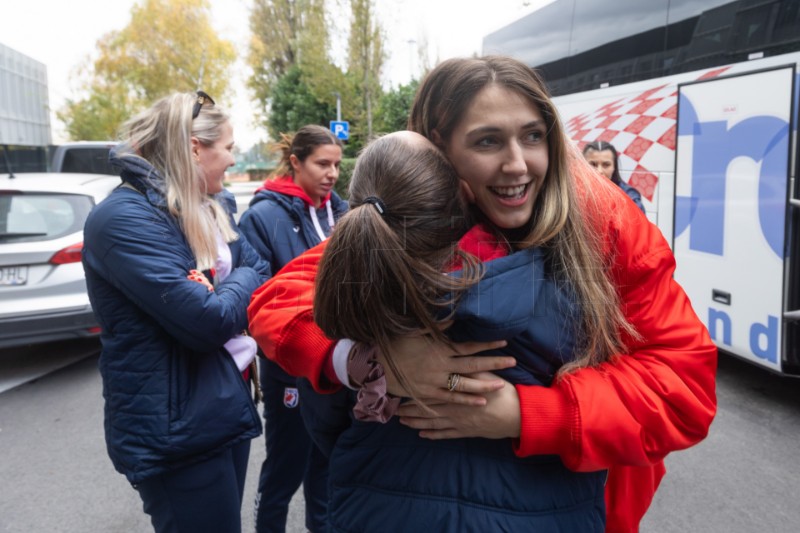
169, 278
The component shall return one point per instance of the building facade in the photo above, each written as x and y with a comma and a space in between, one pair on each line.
24, 113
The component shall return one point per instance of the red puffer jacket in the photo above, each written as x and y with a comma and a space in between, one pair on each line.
625, 415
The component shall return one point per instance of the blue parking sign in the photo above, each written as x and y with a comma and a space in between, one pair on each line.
341, 128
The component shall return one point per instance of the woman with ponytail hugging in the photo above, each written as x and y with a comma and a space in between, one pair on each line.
383, 275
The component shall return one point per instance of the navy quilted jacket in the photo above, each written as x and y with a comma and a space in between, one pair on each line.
278, 224
173, 395
384, 477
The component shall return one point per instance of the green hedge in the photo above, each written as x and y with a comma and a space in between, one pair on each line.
345, 172
258, 174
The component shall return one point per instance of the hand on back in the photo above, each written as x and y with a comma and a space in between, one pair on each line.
427, 364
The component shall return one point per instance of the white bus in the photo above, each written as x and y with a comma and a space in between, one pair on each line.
710, 145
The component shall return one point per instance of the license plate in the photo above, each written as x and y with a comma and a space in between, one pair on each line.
13, 275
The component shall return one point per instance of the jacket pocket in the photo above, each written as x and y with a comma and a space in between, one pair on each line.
211, 405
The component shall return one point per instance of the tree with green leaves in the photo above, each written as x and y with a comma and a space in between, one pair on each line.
284, 32
295, 33
394, 108
168, 46
293, 105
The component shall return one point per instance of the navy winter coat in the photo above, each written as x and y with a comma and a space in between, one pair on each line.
632, 193
384, 477
173, 394
278, 222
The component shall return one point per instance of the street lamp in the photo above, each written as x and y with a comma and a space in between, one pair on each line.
411, 43
338, 107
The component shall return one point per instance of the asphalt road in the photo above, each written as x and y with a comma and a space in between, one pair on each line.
55, 475
745, 476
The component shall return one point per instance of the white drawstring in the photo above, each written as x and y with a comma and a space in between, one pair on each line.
313, 212
331, 222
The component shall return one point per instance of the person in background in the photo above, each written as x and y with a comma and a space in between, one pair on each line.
169, 278
603, 157
294, 210
644, 384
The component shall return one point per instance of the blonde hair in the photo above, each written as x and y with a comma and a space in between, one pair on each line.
162, 136
565, 214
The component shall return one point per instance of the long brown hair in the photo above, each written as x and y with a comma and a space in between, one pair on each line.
564, 205
382, 273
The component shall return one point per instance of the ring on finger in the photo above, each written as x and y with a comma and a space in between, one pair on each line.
452, 381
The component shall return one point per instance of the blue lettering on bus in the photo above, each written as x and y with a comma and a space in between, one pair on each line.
763, 139
769, 333
716, 316
763, 337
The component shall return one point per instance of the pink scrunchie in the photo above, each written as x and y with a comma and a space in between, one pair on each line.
373, 402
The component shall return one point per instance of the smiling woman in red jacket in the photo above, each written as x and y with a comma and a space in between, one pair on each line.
645, 384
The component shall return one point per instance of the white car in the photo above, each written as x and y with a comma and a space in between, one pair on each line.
42, 285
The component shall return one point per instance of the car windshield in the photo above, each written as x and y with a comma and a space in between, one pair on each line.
29, 217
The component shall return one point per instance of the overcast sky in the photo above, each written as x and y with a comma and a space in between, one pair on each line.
61, 33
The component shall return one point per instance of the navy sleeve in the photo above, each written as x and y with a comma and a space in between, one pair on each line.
633, 194
143, 255
252, 226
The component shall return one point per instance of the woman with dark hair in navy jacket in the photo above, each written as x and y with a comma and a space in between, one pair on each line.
169, 278
293, 211
603, 157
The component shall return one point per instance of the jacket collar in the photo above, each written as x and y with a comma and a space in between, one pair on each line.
285, 185
142, 176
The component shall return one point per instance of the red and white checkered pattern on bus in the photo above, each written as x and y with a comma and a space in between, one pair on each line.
642, 129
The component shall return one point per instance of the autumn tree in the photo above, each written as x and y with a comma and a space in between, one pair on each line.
98, 116
290, 36
168, 46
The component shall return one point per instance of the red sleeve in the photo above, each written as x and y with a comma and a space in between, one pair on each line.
640, 406
281, 320
629, 492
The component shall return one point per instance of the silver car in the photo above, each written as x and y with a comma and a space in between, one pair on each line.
42, 285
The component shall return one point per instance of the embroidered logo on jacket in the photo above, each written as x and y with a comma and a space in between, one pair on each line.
290, 397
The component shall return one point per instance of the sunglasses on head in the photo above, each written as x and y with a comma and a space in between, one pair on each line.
202, 99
